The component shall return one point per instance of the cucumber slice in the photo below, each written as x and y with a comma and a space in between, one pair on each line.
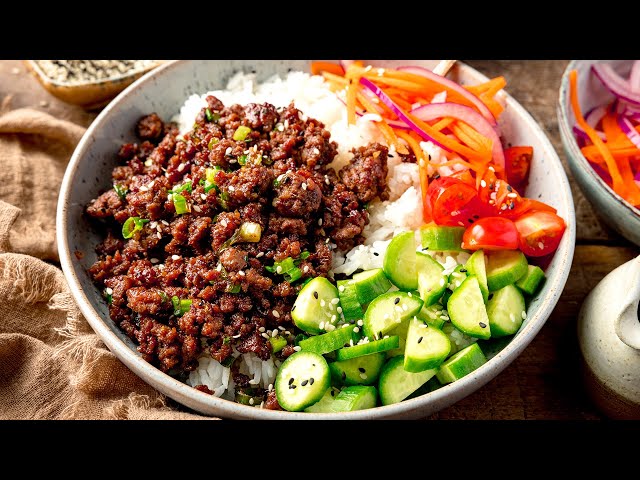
444, 301
388, 310
399, 262
324, 405
376, 346
506, 311
401, 332
462, 363
456, 278
476, 266
363, 370
505, 267
434, 316
426, 348
431, 282
328, 342
355, 398
351, 308
458, 339
532, 280
370, 284
302, 380
396, 383
467, 311
441, 238
315, 306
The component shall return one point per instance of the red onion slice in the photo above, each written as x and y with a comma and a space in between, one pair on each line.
398, 111
469, 116
629, 130
479, 104
579, 132
634, 77
391, 123
615, 84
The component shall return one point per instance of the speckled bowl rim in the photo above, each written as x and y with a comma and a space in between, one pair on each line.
414, 408
572, 146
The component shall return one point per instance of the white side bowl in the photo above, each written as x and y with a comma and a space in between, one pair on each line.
163, 91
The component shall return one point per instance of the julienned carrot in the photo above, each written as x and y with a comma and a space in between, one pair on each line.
493, 85
443, 123
591, 151
422, 168
318, 67
478, 142
622, 185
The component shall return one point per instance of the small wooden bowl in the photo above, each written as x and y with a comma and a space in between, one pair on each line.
90, 95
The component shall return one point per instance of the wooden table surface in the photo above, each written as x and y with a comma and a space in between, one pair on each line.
544, 382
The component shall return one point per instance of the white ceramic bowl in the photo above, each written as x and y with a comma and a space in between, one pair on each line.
612, 208
163, 91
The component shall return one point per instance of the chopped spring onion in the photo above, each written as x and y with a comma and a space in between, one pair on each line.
288, 268
226, 341
242, 159
228, 361
304, 255
223, 199
108, 296
180, 203
292, 275
211, 116
121, 191
210, 180
250, 232
241, 133
212, 142
181, 188
232, 288
132, 225
180, 307
277, 343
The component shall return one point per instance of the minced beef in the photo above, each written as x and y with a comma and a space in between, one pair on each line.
187, 284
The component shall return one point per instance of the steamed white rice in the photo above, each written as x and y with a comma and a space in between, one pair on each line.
402, 212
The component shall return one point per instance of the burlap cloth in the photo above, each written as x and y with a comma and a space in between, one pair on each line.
52, 364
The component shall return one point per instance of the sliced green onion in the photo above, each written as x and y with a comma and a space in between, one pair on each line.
180, 307
242, 159
108, 296
132, 225
304, 255
163, 296
286, 265
250, 232
300, 337
277, 343
292, 275
241, 133
228, 361
306, 280
180, 203
223, 199
226, 341
121, 191
185, 186
209, 115
210, 181
212, 142
232, 288
276, 183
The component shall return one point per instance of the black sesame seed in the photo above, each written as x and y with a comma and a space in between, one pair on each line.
490, 296
483, 325
420, 339
346, 345
476, 217
311, 380
344, 376
463, 270
375, 254
333, 393
437, 175
509, 188
390, 156
290, 380
294, 307
512, 206
470, 220
304, 383
397, 300
315, 295
362, 370
291, 387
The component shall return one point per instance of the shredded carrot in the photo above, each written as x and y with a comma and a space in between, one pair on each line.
338, 80
493, 85
443, 123
318, 67
478, 142
422, 168
619, 170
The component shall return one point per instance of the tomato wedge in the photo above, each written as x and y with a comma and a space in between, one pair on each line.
517, 163
539, 232
491, 233
449, 199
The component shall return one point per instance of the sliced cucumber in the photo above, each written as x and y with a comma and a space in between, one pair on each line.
351, 308
401, 332
444, 301
330, 341
370, 284
458, 339
456, 278
325, 403
426, 348
302, 380
399, 262
434, 316
375, 346
431, 282
506, 311
396, 383
363, 370
462, 363
476, 266
505, 267
442, 238
388, 310
315, 306
532, 280
467, 311
355, 398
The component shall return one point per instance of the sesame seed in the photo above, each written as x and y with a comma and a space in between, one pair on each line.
236, 336
326, 180
322, 303
274, 332
175, 257
181, 167
223, 222
219, 267
321, 326
540, 245
148, 163
228, 151
363, 376
203, 196
270, 387
420, 339
261, 329
335, 301
311, 380
356, 329
265, 335
409, 293
276, 314
278, 269
159, 235
164, 222
333, 318
304, 186
524, 314
339, 309
341, 288
297, 348
397, 300
144, 188
482, 325
260, 254
153, 225
320, 222
231, 188
251, 401
304, 383
315, 295
109, 291
483, 183
305, 269
360, 323
405, 307
196, 208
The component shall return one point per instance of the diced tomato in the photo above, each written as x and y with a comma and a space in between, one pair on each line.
539, 232
449, 199
517, 164
491, 233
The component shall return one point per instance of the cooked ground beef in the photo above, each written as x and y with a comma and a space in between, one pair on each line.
276, 177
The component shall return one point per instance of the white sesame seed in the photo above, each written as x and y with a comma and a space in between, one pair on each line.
326, 180
512, 317
143, 188
196, 208
409, 293
281, 128
540, 245
351, 342
281, 328
331, 307
512, 195
241, 273
251, 401
169, 197
333, 318
231, 188
274, 332
181, 167
341, 288
339, 309
153, 225
404, 307
330, 328
260, 254
297, 348
320, 222
159, 235
322, 303
219, 267
335, 301
286, 123
492, 169
164, 222
270, 387
175, 257
155, 260
108, 291
203, 196
261, 329
360, 323
316, 151
356, 329
228, 151
236, 336
524, 315
483, 183
223, 222
304, 186
321, 326
148, 162
363, 376
278, 269
265, 335
276, 314
305, 269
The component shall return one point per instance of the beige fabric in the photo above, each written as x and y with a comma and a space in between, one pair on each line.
52, 364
